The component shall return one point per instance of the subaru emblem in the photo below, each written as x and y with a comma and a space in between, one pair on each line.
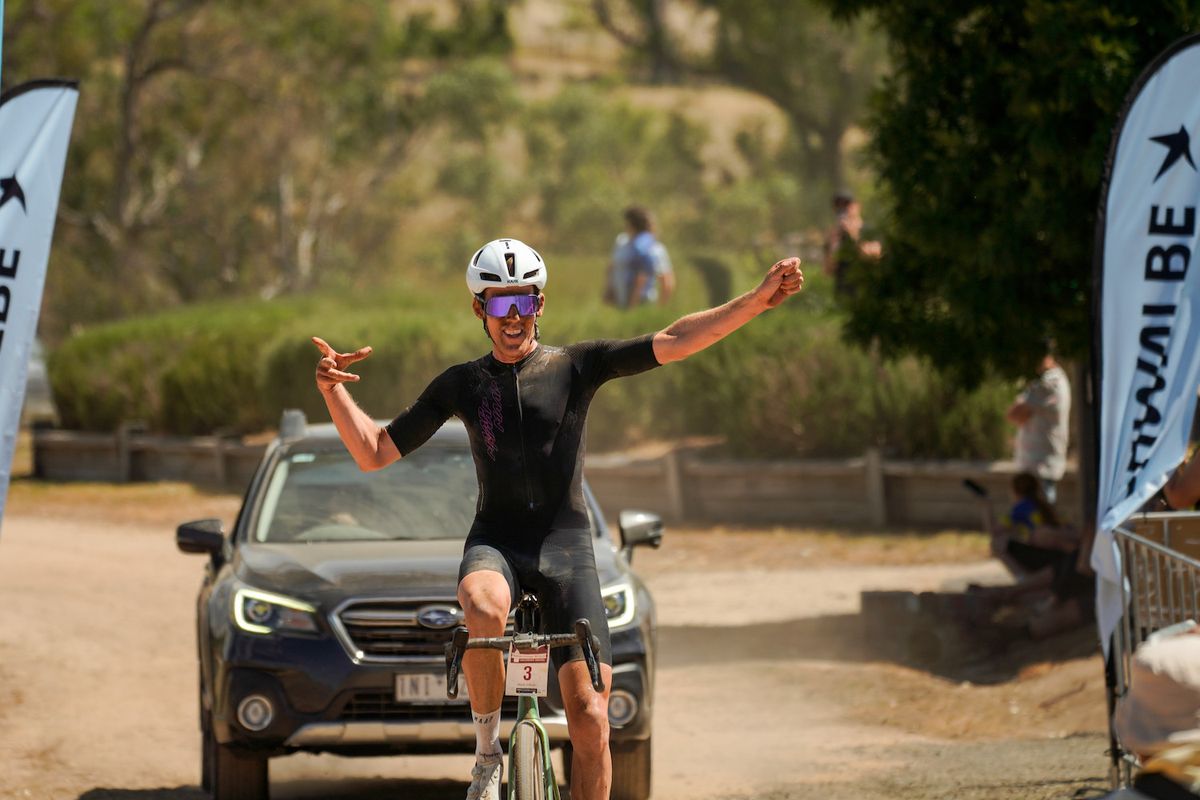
438, 617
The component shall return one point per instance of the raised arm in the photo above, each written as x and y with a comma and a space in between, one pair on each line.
693, 333
368, 443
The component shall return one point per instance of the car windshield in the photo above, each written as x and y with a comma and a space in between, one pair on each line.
320, 495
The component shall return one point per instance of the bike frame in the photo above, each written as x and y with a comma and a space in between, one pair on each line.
528, 716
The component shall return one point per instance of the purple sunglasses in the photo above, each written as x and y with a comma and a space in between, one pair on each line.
527, 305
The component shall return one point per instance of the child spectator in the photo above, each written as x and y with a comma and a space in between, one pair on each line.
1045, 557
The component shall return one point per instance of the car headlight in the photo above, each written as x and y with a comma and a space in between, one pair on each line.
264, 612
618, 604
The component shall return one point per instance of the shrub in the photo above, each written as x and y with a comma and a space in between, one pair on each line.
789, 385
189, 371
786, 385
108, 375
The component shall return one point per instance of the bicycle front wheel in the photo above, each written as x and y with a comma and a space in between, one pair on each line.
529, 772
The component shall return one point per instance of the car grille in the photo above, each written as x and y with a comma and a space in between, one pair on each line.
388, 630
375, 706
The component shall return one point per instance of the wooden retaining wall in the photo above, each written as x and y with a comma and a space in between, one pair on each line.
856, 492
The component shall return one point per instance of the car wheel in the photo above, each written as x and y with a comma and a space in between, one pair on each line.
236, 775
630, 770
207, 743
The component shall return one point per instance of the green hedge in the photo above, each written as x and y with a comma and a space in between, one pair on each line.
786, 385
190, 371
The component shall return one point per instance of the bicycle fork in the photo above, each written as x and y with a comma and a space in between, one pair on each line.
527, 716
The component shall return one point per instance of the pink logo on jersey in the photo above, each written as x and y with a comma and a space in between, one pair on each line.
491, 418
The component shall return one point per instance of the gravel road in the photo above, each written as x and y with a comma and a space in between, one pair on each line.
764, 691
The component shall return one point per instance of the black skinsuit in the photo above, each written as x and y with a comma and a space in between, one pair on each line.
526, 424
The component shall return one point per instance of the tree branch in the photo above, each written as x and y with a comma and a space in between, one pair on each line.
163, 65
605, 18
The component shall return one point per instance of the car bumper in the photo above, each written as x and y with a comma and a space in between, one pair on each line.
320, 707
325, 735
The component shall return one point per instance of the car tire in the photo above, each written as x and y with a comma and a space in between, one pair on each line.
208, 745
237, 775
630, 770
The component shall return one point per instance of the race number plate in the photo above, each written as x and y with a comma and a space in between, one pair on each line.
528, 671
424, 687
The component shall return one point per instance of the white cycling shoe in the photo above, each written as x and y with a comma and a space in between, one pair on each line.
485, 777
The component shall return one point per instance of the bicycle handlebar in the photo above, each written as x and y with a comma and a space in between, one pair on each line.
583, 636
523, 640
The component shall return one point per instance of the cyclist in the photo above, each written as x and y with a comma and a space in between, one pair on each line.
524, 405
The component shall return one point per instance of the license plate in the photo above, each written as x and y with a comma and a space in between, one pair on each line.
424, 687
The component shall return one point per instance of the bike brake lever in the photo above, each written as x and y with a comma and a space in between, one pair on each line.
454, 653
591, 652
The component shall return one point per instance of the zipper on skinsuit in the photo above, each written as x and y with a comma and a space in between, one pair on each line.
521, 436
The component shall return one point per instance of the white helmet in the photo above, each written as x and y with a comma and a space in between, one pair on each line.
505, 262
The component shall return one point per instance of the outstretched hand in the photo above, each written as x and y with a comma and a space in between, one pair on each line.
783, 280
331, 368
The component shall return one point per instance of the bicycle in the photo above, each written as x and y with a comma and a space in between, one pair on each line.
530, 773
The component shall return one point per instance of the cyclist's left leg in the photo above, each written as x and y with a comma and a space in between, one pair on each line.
569, 590
587, 724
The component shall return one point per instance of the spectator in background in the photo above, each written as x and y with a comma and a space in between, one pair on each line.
843, 240
1042, 414
1046, 557
640, 269
1025, 538
1158, 719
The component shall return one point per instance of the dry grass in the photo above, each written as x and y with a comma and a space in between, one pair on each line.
142, 504
783, 547
688, 546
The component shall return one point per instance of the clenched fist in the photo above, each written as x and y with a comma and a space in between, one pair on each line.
783, 280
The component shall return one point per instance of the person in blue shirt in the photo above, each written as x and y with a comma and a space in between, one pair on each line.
1027, 539
640, 270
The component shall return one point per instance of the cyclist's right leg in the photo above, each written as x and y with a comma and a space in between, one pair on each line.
485, 590
485, 597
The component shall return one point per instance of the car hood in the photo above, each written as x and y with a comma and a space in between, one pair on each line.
325, 572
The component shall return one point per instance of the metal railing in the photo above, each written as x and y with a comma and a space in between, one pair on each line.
1160, 587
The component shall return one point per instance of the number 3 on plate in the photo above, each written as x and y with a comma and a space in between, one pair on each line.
528, 671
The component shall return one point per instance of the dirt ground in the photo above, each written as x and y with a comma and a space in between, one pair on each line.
768, 686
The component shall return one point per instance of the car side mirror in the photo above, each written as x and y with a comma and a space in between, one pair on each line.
201, 536
639, 528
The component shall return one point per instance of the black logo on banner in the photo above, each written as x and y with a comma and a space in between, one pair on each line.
11, 190
1178, 146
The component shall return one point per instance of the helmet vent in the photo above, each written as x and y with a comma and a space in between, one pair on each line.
490, 276
510, 263
529, 274
475, 260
